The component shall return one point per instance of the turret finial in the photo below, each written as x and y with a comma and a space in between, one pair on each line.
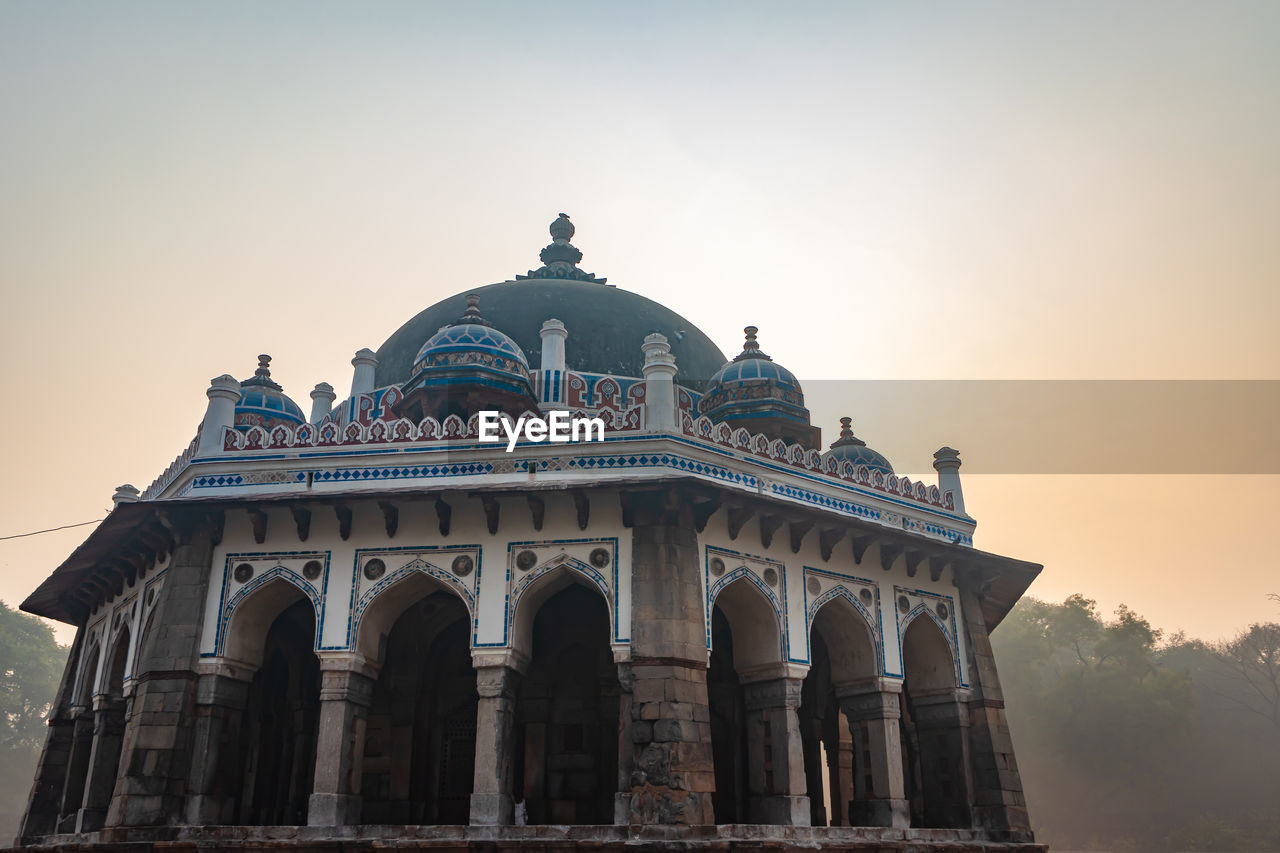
751, 347
846, 435
472, 315
262, 376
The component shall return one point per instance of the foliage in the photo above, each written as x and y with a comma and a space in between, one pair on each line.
31, 664
1130, 741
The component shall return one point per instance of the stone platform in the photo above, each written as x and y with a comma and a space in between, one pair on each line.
728, 837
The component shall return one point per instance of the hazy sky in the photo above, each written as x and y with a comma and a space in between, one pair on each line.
891, 190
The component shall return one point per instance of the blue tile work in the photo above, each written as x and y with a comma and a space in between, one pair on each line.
661, 460
394, 472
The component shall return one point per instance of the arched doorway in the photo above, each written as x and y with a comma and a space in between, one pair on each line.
838, 752
81, 743
755, 735
108, 737
278, 736
728, 725
934, 738
419, 750
566, 748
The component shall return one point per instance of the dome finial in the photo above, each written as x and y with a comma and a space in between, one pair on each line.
262, 376
472, 315
562, 228
560, 259
846, 435
751, 348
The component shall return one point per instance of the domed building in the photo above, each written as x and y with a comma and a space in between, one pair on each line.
376, 624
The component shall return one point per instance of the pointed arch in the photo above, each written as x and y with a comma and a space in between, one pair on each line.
89, 674
754, 615
376, 614
250, 613
543, 582
117, 669
849, 634
929, 660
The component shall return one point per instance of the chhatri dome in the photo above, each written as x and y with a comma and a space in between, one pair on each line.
263, 402
377, 626
755, 392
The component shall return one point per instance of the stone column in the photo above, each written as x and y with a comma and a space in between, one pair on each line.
998, 802
874, 716
941, 722
841, 760
626, 755
345, 696
51, 772
674, 774
104, 762
496, 682
215, 766
155, 762
77, 769
775, 754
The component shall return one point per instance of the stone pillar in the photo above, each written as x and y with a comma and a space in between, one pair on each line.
998, 802
345, 697
215, 763
941, 721
775, 754
322, 398
362, 380
674, 775
946, 461
659, 379
496, 682
104, 762
626, 755
77, 769
841, 770
155, 762
874, 713
51, 771
223, 394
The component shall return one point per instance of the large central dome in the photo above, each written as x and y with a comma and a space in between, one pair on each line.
606, 325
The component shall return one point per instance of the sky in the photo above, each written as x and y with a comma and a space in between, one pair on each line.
891, 191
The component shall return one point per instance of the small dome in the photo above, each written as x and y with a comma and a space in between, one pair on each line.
751, 383
263, 402
850, 448
755, 368
472, 340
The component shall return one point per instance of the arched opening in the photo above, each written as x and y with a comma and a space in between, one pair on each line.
419, 750
745, 642
842, 654
278, 736
108, 737
934, 743
81, 743
566, 751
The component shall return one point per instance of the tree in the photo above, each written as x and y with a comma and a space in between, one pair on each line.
31, 664
1253, 659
